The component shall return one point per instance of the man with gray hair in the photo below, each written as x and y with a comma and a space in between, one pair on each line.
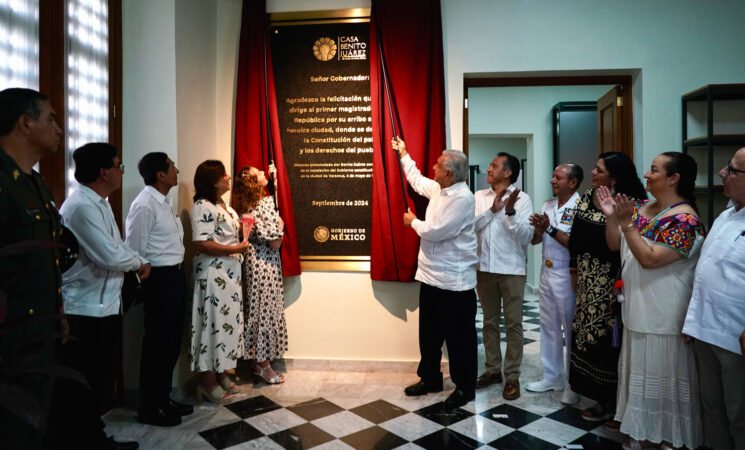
447, 301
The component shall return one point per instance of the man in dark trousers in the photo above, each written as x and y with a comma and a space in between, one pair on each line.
447, 270
154, 232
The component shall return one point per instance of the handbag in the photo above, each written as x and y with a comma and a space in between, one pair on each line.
131, 291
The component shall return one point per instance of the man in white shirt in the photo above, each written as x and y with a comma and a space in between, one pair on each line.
447, 271
153, 231
91, 288
716, 317
504, 232
556, 296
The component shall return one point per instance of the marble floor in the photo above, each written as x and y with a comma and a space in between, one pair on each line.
361, 405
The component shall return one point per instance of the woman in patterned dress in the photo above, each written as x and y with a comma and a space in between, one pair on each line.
217, 311
660, 243
593, 368
265, 335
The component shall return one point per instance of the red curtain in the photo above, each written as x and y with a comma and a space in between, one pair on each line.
410, 33
251, 121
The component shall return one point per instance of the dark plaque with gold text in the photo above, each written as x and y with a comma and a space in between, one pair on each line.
322, 81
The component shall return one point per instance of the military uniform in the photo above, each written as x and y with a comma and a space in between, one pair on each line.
556, 295
31, 280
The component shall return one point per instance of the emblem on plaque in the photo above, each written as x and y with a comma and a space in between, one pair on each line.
324, 49
321, 234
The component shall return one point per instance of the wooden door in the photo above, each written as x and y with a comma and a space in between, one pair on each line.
610, 122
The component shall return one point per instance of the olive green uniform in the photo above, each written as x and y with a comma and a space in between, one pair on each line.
32, 283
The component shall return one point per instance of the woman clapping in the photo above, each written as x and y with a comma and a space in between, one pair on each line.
659, 242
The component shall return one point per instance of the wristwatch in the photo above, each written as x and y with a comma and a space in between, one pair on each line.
551, 231
510, 213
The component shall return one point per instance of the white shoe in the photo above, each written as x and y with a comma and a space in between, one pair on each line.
569, 397
544, 385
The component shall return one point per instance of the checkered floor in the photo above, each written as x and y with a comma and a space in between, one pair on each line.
360, 405
262, 423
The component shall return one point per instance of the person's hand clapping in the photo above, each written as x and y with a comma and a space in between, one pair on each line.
540, 222
509, 204
606, 201
624, 209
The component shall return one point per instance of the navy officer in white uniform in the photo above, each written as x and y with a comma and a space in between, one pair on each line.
556, 296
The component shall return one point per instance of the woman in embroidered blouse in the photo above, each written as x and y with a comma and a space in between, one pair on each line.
217, 311
593, 370
659, 242
265, 336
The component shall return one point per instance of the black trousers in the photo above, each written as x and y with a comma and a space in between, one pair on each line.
449, 317
75, 418
165, 302
97, 354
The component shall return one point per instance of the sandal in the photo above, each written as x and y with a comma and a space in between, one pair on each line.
596, 413
227, 384
613, 425
265, 373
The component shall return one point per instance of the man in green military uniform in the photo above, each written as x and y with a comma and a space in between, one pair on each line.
31, 279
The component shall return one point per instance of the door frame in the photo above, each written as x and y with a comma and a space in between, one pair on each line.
624, 81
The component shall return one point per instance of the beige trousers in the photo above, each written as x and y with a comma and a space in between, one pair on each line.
502, 293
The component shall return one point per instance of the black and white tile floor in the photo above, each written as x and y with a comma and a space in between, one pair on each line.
361, 405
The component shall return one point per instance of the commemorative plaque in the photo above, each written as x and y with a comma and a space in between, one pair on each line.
322, 82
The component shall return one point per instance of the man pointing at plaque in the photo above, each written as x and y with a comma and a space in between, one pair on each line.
447, 271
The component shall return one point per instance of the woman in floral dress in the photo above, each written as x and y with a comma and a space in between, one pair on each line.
265, 335
593, 367
217, 311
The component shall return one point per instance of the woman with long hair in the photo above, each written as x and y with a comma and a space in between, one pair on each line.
217, 310
593, 370
265, 336
660, 242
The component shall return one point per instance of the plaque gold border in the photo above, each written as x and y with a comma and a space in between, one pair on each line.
335, 263
352, 15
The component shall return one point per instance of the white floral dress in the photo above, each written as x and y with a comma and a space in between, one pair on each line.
217, 309
266, 331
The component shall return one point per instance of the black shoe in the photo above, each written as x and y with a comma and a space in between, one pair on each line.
458, 398
159, 418
178, 408
421, 388
123, 445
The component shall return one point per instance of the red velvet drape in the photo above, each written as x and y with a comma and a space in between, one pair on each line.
250, 119
410, 32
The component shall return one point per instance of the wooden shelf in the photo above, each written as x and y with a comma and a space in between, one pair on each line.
714, 146
718, 139
718, 92
704, 189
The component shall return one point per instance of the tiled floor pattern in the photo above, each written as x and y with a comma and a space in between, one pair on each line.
361, 405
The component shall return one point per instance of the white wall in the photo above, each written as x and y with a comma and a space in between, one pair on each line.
149, 120
679, 45
483, 148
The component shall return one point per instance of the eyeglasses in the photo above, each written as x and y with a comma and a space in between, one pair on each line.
731, 169
118, 166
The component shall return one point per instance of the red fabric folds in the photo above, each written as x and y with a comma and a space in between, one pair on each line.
410, 32
250, 120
